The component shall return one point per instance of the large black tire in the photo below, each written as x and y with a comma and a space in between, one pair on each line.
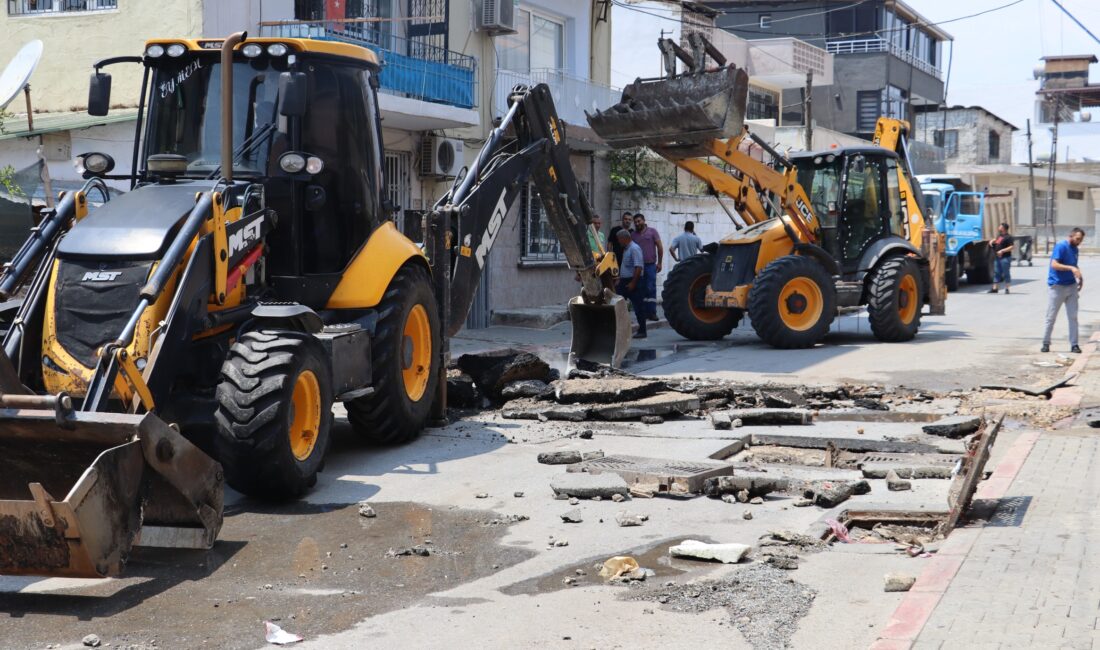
684, 290
792, 302
894, 300
981, 264
271, 440
951, 274
394, 412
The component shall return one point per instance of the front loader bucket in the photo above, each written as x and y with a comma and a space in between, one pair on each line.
78, 492
601, 333
687, 109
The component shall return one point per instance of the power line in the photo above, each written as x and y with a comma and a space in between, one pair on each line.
1074, 19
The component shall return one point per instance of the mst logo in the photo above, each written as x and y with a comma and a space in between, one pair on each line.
100, 276
243, 238
491, 231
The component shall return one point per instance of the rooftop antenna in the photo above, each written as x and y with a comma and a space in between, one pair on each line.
13, 80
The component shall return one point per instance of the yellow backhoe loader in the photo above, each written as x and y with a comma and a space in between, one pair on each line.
820, 231
198, 329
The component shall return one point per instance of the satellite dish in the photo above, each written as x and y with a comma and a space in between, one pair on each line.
18, 73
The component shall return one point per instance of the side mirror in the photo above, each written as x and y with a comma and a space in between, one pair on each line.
293, 94
99, 94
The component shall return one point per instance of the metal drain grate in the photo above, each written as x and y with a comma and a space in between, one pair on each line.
666, 475
911, 459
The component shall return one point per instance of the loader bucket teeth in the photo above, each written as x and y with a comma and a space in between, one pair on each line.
75, 499
683, 110
601, 332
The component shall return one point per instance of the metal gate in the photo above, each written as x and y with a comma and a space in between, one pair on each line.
399, 188
427, 29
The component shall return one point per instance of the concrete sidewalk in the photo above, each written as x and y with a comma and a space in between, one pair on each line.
1026, 578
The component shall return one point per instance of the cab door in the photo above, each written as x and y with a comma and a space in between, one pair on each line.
861, 222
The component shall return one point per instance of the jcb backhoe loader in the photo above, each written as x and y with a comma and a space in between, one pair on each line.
822, 231
207, 320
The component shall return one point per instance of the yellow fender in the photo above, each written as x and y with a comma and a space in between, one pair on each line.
373, 268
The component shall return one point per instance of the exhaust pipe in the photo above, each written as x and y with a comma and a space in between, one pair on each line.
227, 102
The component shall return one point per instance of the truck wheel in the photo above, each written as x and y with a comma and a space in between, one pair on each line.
951, 273
894, 303
404, 356
682, 296
274, 413
981, 268
792, 302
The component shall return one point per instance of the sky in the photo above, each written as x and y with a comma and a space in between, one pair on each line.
994, 58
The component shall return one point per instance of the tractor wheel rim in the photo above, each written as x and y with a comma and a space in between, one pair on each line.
801, 304
907, 299
417, 335
306, 421
703, 314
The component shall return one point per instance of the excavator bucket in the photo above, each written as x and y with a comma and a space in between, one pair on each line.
79, 490
601, 332
686, 109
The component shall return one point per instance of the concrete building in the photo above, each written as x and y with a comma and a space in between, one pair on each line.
1065, 92
888, 58
968, 135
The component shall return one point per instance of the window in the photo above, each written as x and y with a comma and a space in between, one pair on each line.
309, 9
763, 105
949, 140
1075, 195
540, 242
994, 146
378, 33
22, 7
898, 224
765, 21
863, 205
867, 109
893, 102
852, 20
539, 43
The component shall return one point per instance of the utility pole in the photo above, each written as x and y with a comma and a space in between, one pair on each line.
808, 110
1052, 170
1030, 177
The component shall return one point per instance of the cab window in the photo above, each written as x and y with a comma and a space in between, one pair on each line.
863, 205
898, 224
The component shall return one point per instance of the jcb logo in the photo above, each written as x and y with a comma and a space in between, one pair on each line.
100, 276
491, 231
804, 210
241, 239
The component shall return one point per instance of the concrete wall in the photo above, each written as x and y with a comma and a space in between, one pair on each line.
75, 40
972, 127
223, 17
116, 140
736, 13
867, 72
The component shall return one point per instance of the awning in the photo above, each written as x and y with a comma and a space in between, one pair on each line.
16, 125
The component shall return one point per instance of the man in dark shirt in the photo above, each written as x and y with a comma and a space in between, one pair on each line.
613, 236
1001, 246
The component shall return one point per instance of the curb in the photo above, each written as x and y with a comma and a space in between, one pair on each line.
914, 610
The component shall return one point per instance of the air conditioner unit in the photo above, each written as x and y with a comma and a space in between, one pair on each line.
440, 157
497, 17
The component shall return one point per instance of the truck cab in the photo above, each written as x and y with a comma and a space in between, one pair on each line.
961, 215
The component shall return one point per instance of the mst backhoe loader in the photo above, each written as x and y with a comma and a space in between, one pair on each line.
206, 321
820, 231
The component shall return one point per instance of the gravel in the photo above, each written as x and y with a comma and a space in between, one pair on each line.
764, 602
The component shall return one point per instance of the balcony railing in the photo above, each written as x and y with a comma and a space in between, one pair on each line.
410, 68
870, 45
572, 95
35, 7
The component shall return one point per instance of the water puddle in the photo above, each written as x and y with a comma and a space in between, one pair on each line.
655, 558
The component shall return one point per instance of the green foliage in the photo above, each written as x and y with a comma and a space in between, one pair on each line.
640, 170
7, 172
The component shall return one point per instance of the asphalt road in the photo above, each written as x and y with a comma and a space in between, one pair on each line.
319, 569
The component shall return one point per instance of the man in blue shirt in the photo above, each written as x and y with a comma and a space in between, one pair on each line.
1065, 281
630, 278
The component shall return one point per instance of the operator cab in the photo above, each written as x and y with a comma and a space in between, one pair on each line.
856, 193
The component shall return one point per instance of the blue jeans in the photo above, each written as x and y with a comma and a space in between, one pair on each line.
1002, 269
649, 287
637, 301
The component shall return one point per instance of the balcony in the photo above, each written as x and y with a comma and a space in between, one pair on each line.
871, 45
572, 94
411, 70
778, 62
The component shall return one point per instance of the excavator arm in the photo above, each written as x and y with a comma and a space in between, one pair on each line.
529, 146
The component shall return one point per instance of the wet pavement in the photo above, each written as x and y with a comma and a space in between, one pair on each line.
313, 569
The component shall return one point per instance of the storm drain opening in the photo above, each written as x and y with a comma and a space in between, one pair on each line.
907, 527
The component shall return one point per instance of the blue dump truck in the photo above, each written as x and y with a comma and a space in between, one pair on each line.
969, 220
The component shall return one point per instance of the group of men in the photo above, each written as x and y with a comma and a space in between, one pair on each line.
640, 253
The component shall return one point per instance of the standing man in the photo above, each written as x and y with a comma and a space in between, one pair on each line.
1065, 281
686, 244
628, 225
652, 253
630, 278
596, 240
1002, 246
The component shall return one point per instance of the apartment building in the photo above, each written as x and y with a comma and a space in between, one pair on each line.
889, 59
